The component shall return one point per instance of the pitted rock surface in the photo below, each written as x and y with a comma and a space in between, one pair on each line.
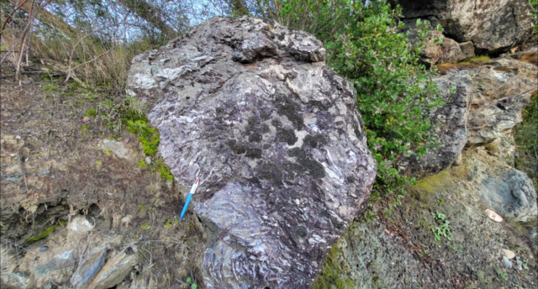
274, 136
501, 90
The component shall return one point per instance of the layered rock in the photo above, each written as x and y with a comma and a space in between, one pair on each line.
500, 92
251, 109
493, 26
485, 105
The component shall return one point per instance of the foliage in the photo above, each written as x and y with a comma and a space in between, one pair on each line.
163, 170
149, 136
534, 13
192, 284
443, 229
526, 138
394, 92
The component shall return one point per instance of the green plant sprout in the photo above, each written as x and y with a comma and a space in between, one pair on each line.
443, 229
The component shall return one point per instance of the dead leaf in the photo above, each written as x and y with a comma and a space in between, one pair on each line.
387, 231
126, 140
86, 119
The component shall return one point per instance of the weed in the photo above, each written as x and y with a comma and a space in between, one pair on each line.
142, 163
84, 129
90, 113
443, 229
501, 274
149, 137
191, 284
145, 227
457, 248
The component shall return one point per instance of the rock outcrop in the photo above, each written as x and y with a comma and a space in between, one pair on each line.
485, 105
393, 252
448, 51
501, 90
251, 109
492, 26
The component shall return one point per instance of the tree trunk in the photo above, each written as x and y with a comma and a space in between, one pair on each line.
151, 14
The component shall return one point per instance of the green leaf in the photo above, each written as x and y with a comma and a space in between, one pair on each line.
189, 280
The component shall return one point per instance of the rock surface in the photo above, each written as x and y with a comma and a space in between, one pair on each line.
400, 251
500, 91
274, 136
486, 105
493, 26
511, 194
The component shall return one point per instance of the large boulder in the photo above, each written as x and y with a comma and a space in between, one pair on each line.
493, 26
250, 108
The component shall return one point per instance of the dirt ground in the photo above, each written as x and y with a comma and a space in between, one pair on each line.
56, 163
399, 249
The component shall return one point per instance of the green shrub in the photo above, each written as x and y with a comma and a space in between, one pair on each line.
526, 138
365, 44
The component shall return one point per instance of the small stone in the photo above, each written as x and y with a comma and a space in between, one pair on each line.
148, 160
116, 269
509, 253
43, 248
519, 263
89, 267
507, 261
18, 137
80, 224
126, 220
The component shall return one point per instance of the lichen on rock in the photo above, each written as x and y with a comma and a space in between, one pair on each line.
274, 135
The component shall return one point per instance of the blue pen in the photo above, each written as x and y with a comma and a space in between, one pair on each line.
193, 190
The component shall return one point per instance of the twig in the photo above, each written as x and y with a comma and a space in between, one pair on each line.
10, 15
22, 165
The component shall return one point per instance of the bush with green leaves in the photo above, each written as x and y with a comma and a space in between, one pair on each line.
533, 4
365, 44
526, 139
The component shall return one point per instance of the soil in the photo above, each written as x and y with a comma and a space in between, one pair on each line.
398, 249
56, 164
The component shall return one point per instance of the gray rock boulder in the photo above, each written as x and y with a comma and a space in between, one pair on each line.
511, 194
451, 129
493, 26
250, 108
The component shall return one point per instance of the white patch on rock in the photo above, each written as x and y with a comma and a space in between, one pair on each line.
80, 224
